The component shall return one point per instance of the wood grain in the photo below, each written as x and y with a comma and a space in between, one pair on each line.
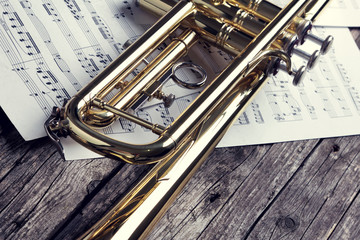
294, 190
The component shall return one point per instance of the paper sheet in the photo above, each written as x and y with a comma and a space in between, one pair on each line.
326, 104
341, 13
50, 49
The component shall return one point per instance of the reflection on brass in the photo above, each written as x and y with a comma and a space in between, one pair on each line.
259, 36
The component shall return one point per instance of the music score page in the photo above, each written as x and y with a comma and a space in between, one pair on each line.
50, 49
341, 13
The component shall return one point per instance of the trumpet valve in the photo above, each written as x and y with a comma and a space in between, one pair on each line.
303, 31
297, 74
325, 44
312, 59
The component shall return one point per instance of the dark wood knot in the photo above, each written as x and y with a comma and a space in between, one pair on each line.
288, 223
214, 196
336, 148
92, 185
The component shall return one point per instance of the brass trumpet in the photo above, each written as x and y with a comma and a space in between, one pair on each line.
260, 37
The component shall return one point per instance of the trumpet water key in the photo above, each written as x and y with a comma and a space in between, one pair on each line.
260, 37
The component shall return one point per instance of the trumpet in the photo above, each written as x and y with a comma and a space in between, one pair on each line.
260, 37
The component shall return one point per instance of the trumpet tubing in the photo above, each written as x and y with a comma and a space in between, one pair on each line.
260, 37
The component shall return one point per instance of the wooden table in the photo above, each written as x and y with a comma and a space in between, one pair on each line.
295, 190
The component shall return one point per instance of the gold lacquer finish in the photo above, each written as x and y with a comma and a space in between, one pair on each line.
260, 37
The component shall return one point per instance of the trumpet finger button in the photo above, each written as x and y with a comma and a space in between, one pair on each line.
311, 59
298, 75
324, 43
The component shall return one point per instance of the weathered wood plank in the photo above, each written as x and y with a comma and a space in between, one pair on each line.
231, 196
108, 196
49, 191
11, 144
317, 196
219, 168
356, 35
39, 190
348, 228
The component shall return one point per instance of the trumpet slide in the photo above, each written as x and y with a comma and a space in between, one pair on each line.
260, 37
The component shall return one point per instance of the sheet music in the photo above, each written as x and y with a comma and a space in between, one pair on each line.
50, 49
341, 13
326, 104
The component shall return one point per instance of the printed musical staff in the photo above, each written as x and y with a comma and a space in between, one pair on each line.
284, 107
258, 116
243, 119
91, 57
309, 106
349, 83
44, 34
103, 58
27, 61
103, 28
123, 12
